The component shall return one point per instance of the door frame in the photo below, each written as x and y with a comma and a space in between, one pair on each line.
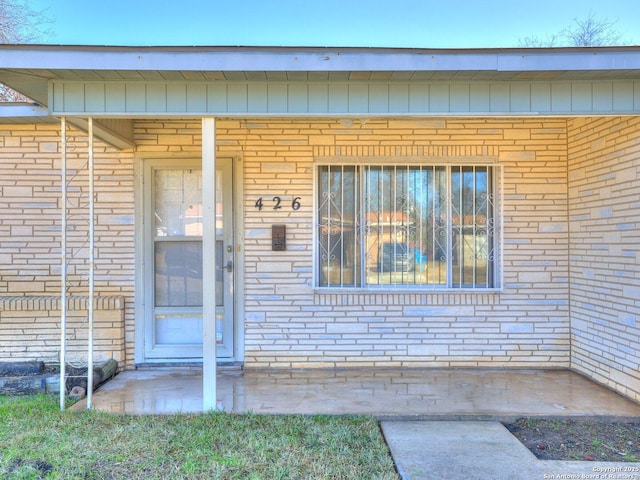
141, 251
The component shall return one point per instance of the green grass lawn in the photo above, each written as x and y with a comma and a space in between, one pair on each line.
39, 441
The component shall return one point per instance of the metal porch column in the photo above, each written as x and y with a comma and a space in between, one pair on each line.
90, 301
209, 367
63, 261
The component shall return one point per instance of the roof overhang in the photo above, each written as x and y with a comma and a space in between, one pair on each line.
29, 68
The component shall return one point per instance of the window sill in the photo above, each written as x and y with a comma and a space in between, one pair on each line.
403, 291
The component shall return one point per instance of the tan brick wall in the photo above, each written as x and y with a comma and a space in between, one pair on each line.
604, 195
288, 324
30, 329
30, 185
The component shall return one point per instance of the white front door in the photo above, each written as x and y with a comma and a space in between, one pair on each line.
173, 260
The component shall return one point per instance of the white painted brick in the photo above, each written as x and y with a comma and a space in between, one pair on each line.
428, 350
600, 163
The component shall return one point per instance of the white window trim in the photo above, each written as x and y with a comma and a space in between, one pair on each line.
498, 189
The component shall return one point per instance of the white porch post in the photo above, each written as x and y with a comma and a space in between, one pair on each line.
209, 264
63, 261
92, 253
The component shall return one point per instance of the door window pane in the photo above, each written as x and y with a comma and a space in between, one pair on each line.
179, 329
178, 274
178, 203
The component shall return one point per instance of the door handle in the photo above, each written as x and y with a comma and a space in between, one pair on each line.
228, 267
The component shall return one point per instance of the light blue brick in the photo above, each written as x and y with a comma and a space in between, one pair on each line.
627, 319
516, 328
255, 317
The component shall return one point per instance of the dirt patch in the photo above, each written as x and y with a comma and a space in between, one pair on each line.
29, 468
590, 440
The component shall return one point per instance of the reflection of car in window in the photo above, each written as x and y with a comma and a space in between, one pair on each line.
396, 257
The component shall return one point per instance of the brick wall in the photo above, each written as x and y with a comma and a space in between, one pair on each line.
564, 228
288, 324
30, 162
604, 195
30, 329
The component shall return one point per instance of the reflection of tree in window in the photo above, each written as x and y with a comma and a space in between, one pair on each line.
419, 225
470, 214
338, 213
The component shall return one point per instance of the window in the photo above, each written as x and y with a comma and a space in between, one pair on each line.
406, 226
177, 227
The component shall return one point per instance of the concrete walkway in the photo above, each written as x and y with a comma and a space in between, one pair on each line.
425, 414
479, 450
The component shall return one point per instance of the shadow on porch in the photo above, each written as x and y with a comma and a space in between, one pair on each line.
385, 393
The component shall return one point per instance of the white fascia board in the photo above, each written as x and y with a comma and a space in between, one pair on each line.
568, 61
239, 60
315, 59
22, 110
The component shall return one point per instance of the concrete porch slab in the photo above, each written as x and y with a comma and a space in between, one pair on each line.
426, 394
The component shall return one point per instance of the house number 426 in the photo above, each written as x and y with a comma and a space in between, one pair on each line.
277, 203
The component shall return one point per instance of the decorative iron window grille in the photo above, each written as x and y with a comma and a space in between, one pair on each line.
408, 226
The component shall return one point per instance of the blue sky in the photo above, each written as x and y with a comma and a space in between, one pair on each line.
359, 23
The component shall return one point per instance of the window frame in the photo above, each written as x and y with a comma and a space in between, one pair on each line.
496, 190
